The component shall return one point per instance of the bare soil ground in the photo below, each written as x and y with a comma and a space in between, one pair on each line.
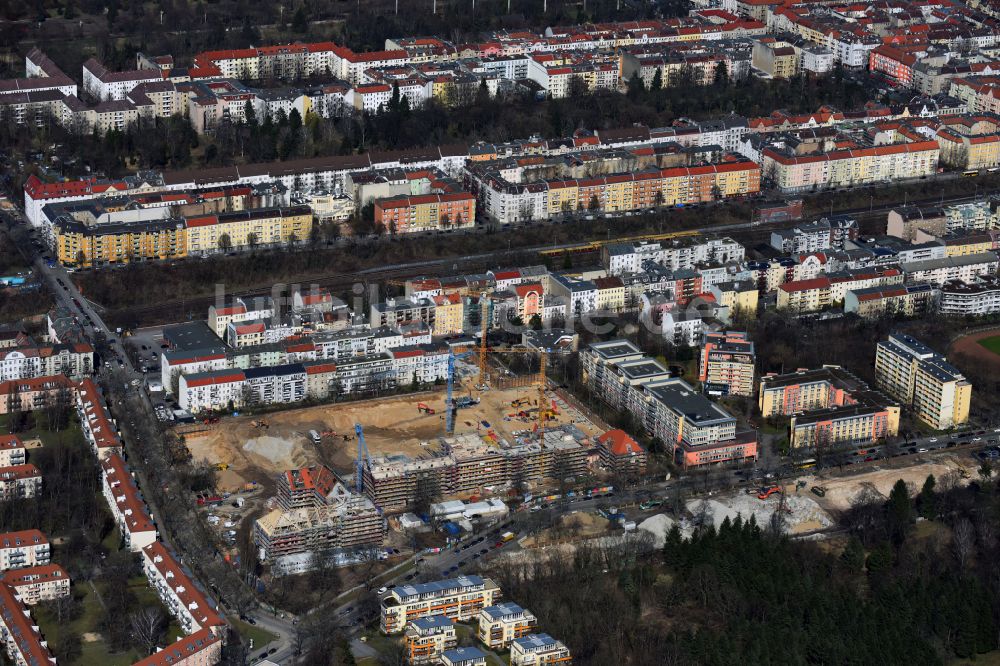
969, 346
840, 491
391, 426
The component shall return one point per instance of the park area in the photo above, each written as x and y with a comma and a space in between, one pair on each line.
257, 448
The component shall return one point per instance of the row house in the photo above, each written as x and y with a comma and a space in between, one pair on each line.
202, 648
906, 300
35, 393
21, 639
126, 503
36, 584
12, 451
20, 482
27, 548
425, 212
178, 592
75, 360
851, 166
98, 427
105, 85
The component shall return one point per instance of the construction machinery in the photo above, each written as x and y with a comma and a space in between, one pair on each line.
424, 409
767, 492
363, 457
222, 467
261, 424
546, 409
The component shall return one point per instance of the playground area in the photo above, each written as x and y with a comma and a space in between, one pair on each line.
257, 448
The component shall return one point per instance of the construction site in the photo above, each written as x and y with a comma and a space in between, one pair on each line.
503, 430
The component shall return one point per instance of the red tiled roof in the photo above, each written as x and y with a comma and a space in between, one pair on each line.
184, 648
126, 494
619, 443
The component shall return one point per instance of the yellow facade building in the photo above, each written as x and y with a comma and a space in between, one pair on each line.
449, 314
936, 391
80, 244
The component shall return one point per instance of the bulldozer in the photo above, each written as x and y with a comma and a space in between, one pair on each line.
222, 467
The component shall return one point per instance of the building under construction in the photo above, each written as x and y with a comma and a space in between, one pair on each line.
472, 464
317, 514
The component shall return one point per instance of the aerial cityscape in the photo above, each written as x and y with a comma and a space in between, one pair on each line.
499, 332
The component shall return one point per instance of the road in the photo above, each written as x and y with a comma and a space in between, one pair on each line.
116, 366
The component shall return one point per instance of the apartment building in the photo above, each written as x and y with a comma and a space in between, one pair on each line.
463, 656
20, 482
539, 650
426, 212
34, 393
183, 599
459, 599
467, 464
938, 271
674, 255
395, 312
815, 294
697, 430
806, 390
621, 454
449, 314
427, 638
726, 365
828, 233
19, 634
922, 379
126, 503
501, 624
317, 513
737, 295
775, 58
12, 451
970, 298
76, 360
238, 311
106, 85
39, 583
98, 428
907, 300
202, 648
27, 548
791, 172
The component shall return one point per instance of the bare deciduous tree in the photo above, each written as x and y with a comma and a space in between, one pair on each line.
146, 625
963, 541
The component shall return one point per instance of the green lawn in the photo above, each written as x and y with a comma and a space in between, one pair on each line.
992, 343
260, 637
70, 434
94, 653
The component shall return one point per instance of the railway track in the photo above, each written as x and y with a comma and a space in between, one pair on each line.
183, 309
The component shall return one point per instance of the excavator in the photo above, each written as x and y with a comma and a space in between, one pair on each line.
424, 409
